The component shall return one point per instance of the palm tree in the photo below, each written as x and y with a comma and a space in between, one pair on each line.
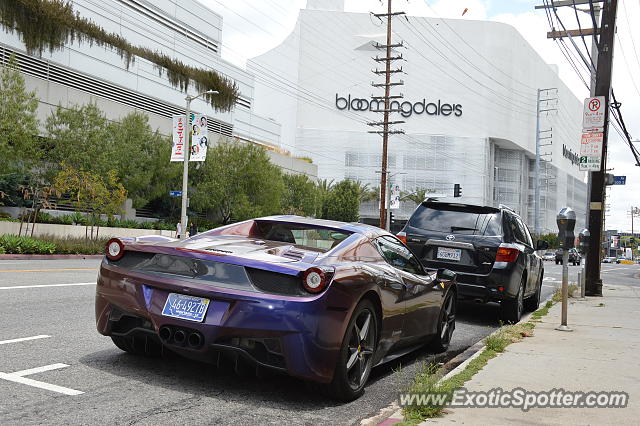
417, 196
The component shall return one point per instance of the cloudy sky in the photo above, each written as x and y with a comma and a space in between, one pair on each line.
252, 27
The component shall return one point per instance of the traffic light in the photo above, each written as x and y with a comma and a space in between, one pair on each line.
457, 190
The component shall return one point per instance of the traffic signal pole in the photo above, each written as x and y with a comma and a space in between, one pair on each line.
593, 286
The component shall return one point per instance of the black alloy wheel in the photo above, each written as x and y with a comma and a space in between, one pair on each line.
511, 309
356, 354
446, 325
533, 303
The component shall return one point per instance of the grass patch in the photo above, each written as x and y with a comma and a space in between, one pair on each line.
429, 379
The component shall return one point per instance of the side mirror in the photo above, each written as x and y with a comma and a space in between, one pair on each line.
446, 275
542, 245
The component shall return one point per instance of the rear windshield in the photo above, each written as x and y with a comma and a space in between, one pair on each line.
465, 220
309, 236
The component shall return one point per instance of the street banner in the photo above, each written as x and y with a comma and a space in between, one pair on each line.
395, 197
199, 137
179, 138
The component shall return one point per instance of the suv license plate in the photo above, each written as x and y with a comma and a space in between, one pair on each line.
185, 307
449, 253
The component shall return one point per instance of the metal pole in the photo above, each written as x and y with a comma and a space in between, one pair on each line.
536, 214
565, 291
185, 170
632, 235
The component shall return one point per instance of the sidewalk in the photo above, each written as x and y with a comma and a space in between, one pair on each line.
601, 354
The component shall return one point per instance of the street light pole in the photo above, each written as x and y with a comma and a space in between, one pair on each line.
185, 165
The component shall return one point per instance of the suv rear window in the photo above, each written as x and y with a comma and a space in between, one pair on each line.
457, 219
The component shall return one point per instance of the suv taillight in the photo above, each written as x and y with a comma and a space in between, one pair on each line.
402, 236
507, 254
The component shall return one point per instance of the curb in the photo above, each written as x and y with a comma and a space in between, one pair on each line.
49, 256
454, 366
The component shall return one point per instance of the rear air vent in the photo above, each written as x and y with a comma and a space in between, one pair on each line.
61, 75
292, 254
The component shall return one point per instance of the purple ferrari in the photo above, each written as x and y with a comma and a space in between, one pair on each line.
320, 300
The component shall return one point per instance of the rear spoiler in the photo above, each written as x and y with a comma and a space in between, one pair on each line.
459, 207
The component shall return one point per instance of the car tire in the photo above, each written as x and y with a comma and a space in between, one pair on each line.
140, 346
446, 325
532, 303
356, 354
511, 309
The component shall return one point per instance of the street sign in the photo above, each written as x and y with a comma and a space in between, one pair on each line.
591, 144
619, 180
593, 112
591, 164
175, 193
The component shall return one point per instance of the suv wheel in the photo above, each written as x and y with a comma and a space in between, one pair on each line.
511, 309
533, 302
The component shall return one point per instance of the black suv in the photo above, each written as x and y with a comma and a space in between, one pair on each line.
489, 248
574, 257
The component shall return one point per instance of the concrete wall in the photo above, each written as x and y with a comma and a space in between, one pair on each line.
13, 228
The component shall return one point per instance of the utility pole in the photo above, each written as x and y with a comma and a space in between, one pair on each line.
536, 215
602, 87
387, 106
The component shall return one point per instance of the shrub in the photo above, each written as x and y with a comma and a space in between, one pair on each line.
76, 245
26, 245
2, 250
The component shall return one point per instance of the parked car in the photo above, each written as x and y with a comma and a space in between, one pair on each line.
609, 260
549, 257
320, 300
489, 248
574, 257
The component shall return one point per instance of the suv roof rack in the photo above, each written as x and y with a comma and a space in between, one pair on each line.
503, 206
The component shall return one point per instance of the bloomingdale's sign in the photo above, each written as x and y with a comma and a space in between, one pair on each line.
405, 108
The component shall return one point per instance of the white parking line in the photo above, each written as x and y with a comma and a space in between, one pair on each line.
45, 285
36, 370
23, 339
14, 377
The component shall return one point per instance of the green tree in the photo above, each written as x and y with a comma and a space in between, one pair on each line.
81, 138
299, 195
98, 194
141, 158
237, 182
342, 202
18, 121
551, 239
417, 196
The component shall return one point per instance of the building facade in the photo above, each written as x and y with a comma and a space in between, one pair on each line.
468, 108
80, 73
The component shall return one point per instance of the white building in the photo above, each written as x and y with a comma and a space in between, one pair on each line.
469, 106
80, 72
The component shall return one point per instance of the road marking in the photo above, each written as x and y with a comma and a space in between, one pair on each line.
36, 370
18, 378
48, 270
23, 339
44, 285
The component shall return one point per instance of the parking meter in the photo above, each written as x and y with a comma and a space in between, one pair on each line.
584, 236
566, 221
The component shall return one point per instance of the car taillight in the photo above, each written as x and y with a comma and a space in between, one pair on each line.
114, 249
402, 236
507, 254
314, 280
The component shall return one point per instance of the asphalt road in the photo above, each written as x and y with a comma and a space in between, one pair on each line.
69, 374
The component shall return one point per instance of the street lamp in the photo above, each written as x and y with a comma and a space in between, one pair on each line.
185, 166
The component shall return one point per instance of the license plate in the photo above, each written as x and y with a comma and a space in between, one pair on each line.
449, 253
190, 308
